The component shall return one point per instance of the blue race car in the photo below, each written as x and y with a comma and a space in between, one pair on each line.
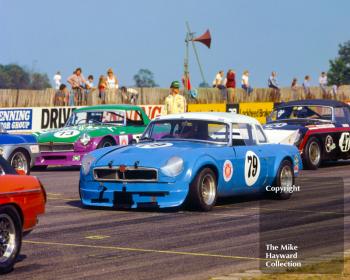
190, 157
19, 150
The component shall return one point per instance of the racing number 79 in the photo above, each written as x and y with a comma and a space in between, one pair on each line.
253, 165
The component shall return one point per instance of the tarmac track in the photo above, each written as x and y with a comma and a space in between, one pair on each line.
75, 243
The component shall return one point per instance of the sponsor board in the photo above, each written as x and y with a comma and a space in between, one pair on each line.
19, 119
29, 120
216, 107
258, 110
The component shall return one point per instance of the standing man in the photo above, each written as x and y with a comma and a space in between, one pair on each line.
174, 102
77, 81
57, 78
273, 84
322, 80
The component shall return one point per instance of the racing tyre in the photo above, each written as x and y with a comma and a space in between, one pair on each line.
107, 142
10, 237
312, 154
19, 159
203, 190
284, 178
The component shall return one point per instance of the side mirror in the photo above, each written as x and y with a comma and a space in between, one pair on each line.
20, 172
133, 141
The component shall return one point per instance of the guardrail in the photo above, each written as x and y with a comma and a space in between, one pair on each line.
45, 98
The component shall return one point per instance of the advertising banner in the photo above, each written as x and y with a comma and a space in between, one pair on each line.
258, 110
28, 120
19, 119
217, 107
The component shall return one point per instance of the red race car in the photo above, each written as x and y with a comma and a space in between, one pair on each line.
22, 199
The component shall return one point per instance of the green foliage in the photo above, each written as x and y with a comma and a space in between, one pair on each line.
13, 76
339, 72
144, 78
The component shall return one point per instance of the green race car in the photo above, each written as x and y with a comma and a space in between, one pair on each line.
90, 128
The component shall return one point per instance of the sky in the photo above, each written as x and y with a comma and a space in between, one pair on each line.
294, 38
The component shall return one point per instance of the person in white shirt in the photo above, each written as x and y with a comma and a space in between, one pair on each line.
57, 78
245, 82
219, 80
112, 81
322, 80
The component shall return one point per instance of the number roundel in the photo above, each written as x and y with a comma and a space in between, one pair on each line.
344, 142
251, 168
66, 133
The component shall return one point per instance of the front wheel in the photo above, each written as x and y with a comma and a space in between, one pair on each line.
203, 190
284, 180
312, 154
105, 143
19, 159
10, 237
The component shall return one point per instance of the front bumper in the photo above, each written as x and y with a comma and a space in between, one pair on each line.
133, 195
60, 158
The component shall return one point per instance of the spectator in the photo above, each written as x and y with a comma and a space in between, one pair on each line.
335, 88
294, 88
129, 94
77, 81
231, 85
174, 102
306, 87
57, 78
219, 80
245, 82
89, 85
273, 84
102, 85
61, 96
112, 81
90, 82
322, 80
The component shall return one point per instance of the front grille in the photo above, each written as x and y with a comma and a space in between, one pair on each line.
131, 174
56, 147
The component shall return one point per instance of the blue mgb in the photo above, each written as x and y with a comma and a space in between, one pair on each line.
193, 158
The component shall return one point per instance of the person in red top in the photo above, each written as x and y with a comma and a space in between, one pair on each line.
231, 85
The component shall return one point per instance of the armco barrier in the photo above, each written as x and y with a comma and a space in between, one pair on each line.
44, 98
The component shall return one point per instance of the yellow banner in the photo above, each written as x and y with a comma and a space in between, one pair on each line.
258, 110
206, 107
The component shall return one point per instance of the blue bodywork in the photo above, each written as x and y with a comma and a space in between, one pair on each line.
172, 191
11, 139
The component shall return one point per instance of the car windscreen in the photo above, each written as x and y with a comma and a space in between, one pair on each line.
302, 112
97, 117
194, 130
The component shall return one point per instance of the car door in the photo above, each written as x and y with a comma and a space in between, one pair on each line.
250, 160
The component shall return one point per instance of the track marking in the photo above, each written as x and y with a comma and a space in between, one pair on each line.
64, 199
55, 194
97, 237
143, 250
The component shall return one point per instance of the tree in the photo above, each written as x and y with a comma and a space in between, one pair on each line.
339, 71
13, 76
40, 81
144, 78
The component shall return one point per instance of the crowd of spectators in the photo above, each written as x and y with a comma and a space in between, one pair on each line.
80, 89
227, 85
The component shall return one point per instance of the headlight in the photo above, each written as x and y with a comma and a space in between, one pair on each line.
173, 167
85, 139
1, 151
86, 163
